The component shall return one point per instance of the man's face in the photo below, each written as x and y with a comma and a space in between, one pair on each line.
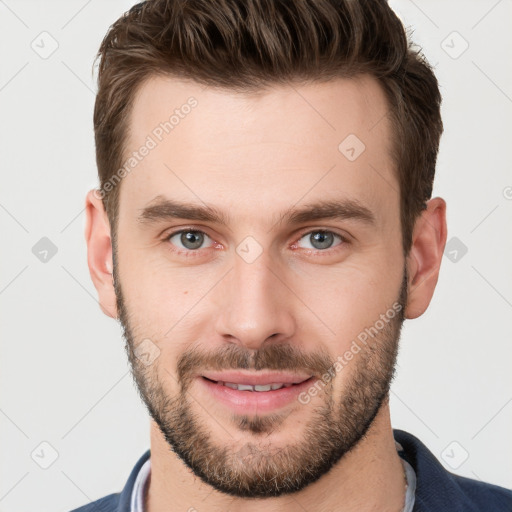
261, 292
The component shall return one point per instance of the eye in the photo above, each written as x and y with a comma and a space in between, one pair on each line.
322, 239
190, 239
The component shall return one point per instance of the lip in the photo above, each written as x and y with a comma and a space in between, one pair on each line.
256, 379
255, 402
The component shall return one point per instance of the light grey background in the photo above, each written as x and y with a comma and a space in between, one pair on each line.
63, 372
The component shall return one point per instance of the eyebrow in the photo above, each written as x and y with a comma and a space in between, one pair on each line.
165, 209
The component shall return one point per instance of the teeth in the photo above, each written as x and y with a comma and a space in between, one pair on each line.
244, 387
248, 387
266, 387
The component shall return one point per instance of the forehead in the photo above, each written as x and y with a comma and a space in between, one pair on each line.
274, 146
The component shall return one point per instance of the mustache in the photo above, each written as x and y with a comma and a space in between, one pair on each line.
282, 357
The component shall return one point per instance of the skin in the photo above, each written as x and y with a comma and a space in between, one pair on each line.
252, 156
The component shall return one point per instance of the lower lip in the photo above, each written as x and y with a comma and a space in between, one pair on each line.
255, 402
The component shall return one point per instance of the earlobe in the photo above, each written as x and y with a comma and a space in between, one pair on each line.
424, 259
99, 252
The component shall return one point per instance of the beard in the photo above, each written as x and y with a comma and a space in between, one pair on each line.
257, 469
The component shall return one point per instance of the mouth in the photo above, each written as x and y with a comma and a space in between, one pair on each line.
274, 386
256, 398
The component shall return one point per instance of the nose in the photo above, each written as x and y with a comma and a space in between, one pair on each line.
255, 304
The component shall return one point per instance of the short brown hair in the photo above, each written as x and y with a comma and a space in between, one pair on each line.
250, 44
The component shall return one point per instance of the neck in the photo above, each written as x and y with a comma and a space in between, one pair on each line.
368, 478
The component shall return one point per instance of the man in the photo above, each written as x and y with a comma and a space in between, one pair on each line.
263, 227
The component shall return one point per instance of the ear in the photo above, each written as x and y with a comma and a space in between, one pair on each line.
424, 259
99, 252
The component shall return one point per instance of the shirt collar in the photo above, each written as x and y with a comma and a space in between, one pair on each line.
140, 488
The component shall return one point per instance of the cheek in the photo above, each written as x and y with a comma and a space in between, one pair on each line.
165, 302
352, 299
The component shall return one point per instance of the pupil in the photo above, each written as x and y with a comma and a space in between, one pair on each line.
321, 240
191, 239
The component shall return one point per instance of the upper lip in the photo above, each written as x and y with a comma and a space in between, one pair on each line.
255, 379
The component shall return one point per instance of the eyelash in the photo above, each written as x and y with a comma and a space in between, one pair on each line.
195, 252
